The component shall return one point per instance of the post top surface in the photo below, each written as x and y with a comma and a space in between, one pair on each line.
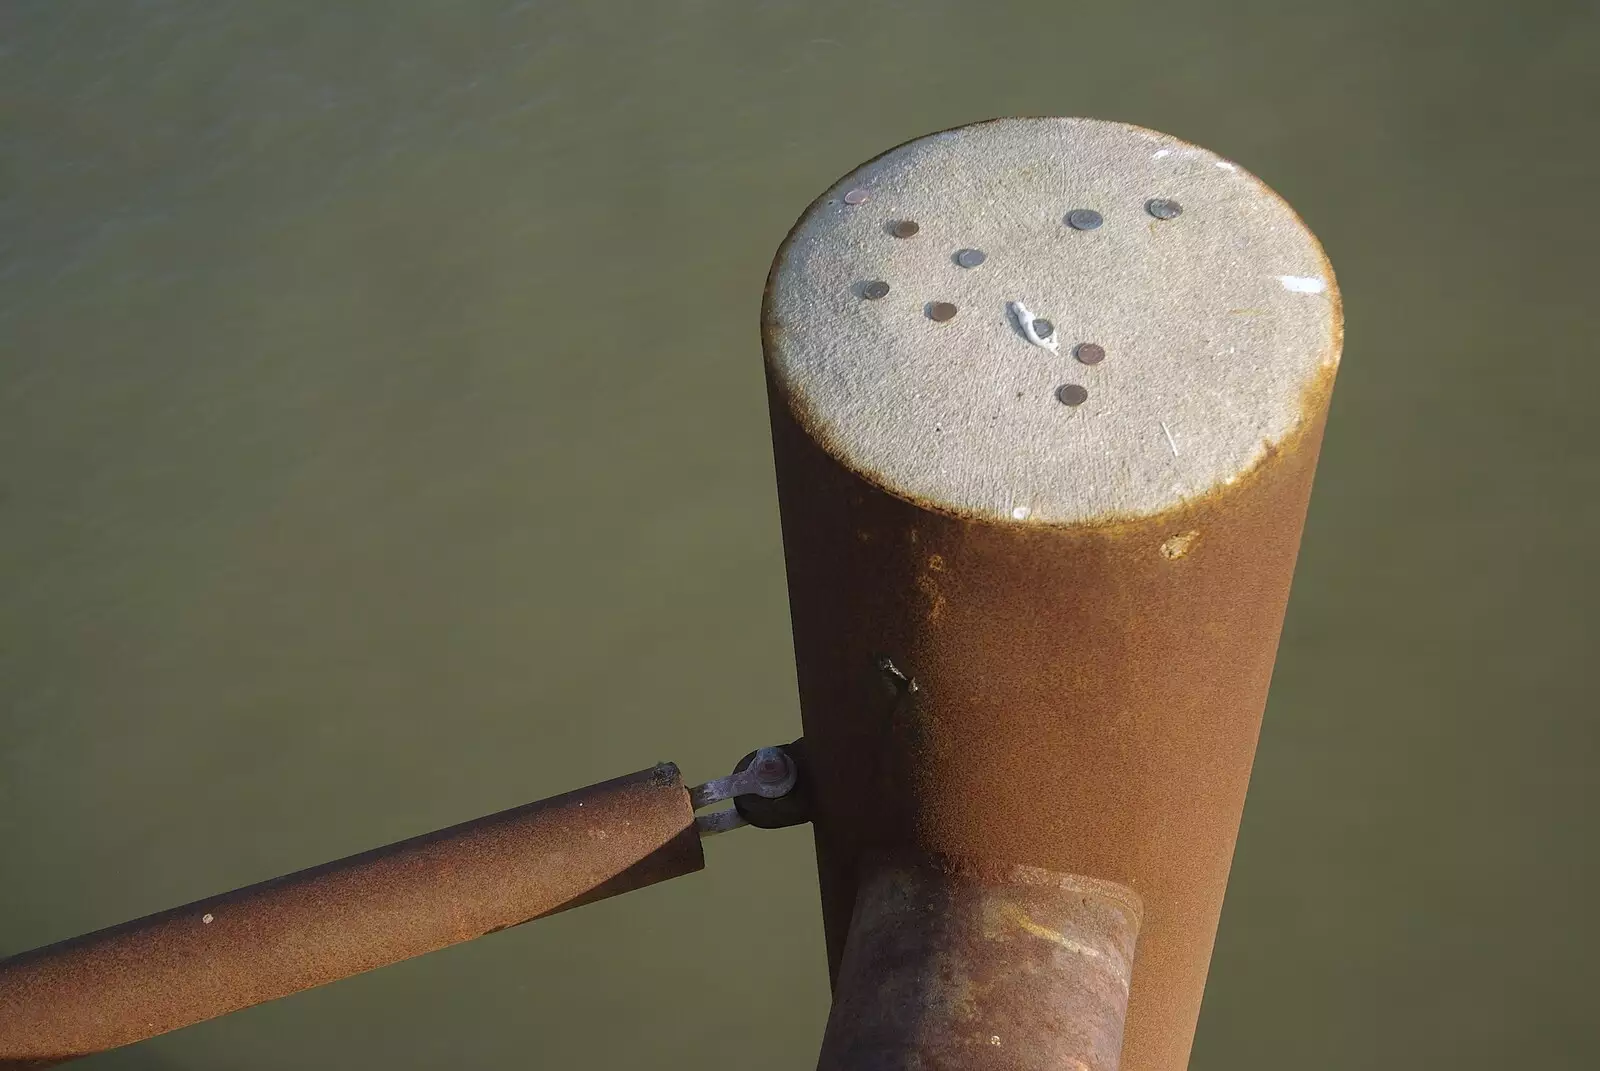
1050, 321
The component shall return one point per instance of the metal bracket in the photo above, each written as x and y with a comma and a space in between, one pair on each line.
768, 774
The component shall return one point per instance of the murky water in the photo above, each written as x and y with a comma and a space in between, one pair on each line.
383, 442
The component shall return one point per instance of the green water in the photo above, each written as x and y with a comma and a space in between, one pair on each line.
383, 443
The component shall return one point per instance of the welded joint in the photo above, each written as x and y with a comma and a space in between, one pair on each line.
770, 774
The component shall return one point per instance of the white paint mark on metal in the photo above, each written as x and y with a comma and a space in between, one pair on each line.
207, 919
1160, 153
1226, 166
1020, 513
1168, 432
1303, 284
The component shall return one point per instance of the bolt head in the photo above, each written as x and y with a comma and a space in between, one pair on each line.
770, 766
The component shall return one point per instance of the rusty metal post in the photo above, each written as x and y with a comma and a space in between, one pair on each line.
158, 973
1024, 970
1046, 399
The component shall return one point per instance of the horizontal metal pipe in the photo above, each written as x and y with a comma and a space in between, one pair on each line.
1016, 970
215, 956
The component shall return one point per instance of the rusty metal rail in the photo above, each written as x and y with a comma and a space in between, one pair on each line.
1020, 970
215, 956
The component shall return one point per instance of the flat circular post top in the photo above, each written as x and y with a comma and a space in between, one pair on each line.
1180, 303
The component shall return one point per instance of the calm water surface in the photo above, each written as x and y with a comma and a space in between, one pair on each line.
383, 442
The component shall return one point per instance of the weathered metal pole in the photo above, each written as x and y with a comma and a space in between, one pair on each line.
1046, 398
158, 973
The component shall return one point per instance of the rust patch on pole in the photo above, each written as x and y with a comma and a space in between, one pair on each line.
215, 956
1025, 970
1029, 633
